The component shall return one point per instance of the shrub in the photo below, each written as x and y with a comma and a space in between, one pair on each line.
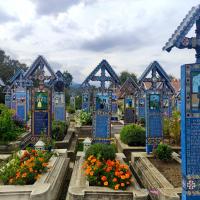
175, 126
85, 118
166, 127
163, 152
25, 169
133, 135
10, 128
59, 129
18, 121
70, 110
109, 173
101, 151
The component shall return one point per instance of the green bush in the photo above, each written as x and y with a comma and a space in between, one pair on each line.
163, 152
133, 135
70, 110
85, 118
59, 130
9, 130
101, 151
175, 126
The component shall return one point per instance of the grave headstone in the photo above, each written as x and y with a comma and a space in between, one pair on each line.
102, 98
129, 111
129, 92
102, 116
153, 77
41, 97
190, 105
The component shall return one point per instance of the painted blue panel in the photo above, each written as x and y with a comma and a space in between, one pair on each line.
114, 107
155, 125
59, 113
21, 104
141, 108
21, 111
102, 124
129, 115
59, 106
85, 102
8, 100
41, 122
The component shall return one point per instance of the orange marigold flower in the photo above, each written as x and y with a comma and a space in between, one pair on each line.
44, 164
122, 184
24, 175
31, 169
103, 178
17, 174
90, 157
117, 187
123, 177
125, 166
91, 173
117, 174
127, 175
93, 160
41, 159
114, 180
106, 183
87, 171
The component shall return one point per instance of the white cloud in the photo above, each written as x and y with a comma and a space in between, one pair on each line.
129, 34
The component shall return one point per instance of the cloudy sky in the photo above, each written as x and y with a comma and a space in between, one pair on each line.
77, 34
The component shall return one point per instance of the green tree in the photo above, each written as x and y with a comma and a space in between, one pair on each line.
8, 66
124, 76
68, 78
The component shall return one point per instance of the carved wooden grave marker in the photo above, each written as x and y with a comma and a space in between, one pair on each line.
102, 109
190, 105
41, 97
128, 92
154, 103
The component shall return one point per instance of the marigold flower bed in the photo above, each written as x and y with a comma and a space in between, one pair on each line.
25, 169
108, 173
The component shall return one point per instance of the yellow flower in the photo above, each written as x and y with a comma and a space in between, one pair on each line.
106, 183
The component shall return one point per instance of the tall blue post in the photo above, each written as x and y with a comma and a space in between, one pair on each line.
190, 105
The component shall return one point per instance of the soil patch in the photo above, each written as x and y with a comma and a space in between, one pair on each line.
171, 170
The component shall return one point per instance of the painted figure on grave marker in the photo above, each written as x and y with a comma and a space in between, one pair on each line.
41, 101
195, 90
154, 102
